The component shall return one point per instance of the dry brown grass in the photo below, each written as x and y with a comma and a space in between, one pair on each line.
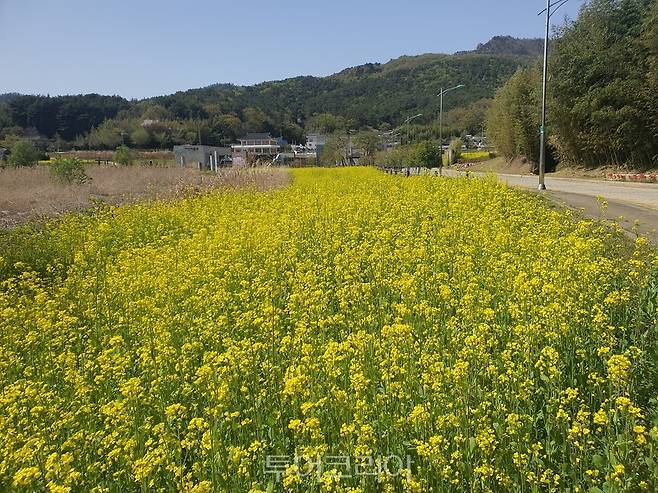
28, 194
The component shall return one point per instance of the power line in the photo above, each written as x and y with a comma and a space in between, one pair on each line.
557, 5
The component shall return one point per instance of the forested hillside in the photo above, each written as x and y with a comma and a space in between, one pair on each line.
374, 95
368, 94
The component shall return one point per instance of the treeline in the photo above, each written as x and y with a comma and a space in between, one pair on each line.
603, 91
65, 116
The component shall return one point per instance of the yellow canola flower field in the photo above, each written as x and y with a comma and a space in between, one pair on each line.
355, 332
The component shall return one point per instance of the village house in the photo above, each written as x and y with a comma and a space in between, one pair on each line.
257, 144
202, 157
315, 142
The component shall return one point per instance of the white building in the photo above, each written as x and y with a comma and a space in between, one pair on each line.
315, 141
257, 144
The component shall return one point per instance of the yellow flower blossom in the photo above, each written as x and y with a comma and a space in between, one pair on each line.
460, 332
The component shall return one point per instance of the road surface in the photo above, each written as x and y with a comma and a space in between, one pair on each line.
630, 201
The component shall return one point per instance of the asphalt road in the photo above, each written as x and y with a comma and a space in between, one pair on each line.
627, 202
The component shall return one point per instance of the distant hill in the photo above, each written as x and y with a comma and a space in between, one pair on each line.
369, 95
507, 45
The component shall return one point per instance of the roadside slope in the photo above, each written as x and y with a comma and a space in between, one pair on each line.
626, 202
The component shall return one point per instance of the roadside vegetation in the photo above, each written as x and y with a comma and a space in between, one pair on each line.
488, 341
424, 154
603, 92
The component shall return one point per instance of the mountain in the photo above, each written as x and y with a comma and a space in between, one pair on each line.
372, 93
507, 45
367, 95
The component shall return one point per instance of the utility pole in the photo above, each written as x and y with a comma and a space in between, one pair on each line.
407, 123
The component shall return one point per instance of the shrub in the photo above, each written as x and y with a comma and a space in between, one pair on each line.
392, 158
424, 154
455, 149
70, 171
123, 155
23, 153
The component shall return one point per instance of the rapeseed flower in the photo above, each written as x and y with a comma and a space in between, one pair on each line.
233, 341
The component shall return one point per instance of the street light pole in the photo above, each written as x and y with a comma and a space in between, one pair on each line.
441, 132
443, 91
542, 129
407, 121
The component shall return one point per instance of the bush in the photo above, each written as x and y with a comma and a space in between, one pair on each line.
70, 171
392, 158
123, 155
455, 150
425, 154
23, 153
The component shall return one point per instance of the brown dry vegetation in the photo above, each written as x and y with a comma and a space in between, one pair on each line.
28, 194
521, 166
152, 158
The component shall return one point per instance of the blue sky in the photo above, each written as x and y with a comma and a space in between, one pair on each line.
142, 48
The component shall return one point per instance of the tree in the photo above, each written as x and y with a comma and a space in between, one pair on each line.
58, 143
455, 150
255, 119
603, 105
425, 154
469, 119
108, 135
163, 138
335, 150
228, 125
10, 140
141, 138
5, 117
368, 142
23, 153
650, 42
123, 155
327, 123
67, 115
514, 117
156, 112
392, 158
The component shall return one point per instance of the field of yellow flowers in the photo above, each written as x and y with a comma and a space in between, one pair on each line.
354, 332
